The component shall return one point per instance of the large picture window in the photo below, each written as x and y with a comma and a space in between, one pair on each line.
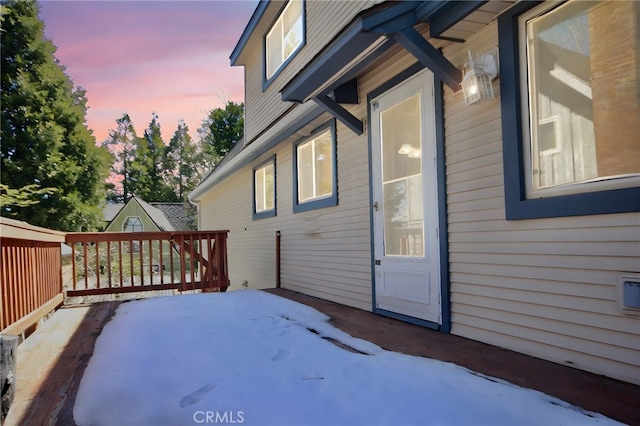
569, 84
264, 190
578, 105
315, 171
285, 37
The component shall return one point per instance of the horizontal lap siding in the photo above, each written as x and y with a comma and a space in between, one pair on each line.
251, 249
325, 252
324, 19
543, 287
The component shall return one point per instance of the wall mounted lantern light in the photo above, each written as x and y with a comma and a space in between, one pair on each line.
478, 74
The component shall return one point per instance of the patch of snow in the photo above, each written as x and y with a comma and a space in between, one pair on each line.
250, 357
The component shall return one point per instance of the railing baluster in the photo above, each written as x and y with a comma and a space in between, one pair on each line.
171, 261
161, 265
151, 262
200, 265
131, 260
73, 264
97, 264
140, 255
183, 265
120, 265
86, 268
191, 261
109, 262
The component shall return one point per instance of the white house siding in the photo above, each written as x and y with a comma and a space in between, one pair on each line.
543, 287
324, 19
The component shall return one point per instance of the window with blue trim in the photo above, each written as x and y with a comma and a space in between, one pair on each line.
569, 93
285, 38
264, 189
314, 161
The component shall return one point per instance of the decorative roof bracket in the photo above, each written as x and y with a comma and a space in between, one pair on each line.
429, 56
339, 112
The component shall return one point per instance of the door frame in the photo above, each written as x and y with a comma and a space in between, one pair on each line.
443, 240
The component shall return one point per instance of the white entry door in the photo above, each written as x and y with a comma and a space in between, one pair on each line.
405, 208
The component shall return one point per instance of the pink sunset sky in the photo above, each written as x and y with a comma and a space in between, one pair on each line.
140, 57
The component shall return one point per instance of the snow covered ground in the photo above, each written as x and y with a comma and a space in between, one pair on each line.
249, 357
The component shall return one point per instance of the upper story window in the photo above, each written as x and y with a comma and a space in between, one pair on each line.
133, 224
315, 171
264, 189
285, 37
570, 105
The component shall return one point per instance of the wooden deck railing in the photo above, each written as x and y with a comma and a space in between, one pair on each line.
32, 267
121, 262
30, 274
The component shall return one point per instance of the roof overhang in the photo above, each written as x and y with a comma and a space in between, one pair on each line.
365, 39
248, 31
301, 120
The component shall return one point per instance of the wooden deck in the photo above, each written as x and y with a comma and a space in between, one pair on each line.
51, 362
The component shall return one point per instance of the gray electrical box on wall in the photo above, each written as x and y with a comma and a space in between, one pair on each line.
629, 293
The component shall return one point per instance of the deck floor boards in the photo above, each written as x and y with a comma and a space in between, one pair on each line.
613, 398
51, 362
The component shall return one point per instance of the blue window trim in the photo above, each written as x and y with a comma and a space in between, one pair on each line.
517, 206
267, 213
323, 202
266, 82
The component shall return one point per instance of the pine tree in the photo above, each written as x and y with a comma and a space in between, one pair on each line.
121, 144
181, 163
147, 165
46, 145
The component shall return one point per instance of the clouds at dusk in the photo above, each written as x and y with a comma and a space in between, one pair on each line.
139, 57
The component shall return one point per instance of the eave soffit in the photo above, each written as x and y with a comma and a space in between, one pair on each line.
365, 39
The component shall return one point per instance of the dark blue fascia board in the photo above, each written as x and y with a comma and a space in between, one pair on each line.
339, 112
430, 57
517, 206
342, 51
393, 20
429, 9
454, 11
377, 19
358, 37
248, 31
257, 152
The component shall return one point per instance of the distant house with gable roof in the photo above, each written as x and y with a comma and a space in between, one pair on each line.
139, 216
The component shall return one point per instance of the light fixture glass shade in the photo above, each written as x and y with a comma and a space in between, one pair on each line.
405, 149
415, 153
476, 86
